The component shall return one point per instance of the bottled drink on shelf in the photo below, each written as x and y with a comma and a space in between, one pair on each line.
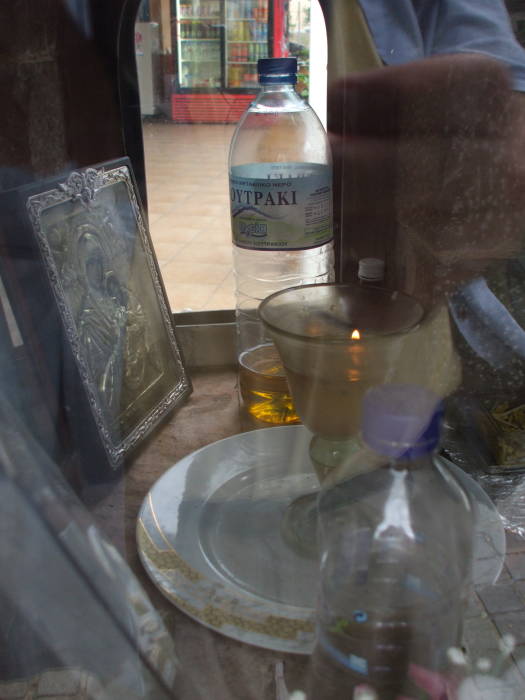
396, 550
281, 213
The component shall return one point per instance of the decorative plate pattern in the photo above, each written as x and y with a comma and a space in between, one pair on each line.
208, 536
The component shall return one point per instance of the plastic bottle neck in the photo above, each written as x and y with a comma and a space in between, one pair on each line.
277, 87
412, 462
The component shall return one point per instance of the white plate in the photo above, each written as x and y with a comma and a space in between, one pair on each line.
208, 535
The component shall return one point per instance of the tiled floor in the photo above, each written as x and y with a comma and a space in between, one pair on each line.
187, 182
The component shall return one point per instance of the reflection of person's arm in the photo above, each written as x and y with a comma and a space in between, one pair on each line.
436, 146
460, 174
478, 213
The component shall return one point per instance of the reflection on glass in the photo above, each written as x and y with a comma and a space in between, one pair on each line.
337, 341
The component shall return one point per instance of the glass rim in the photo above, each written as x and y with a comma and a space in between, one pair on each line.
335, 340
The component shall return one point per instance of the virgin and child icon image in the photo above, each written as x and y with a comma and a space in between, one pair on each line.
113, 330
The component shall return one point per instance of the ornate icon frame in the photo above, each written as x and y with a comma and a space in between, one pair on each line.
108, 289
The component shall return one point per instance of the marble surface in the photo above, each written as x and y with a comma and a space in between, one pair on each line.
213, 666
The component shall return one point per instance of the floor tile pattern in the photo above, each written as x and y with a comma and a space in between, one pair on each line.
188, 209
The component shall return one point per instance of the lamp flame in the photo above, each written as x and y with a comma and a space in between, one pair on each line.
356, 335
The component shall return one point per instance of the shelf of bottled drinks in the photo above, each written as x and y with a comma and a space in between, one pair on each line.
218, 44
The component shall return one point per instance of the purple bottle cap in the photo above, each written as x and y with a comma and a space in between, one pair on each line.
401, 420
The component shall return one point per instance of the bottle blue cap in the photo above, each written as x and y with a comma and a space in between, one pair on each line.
277, 70
401, 420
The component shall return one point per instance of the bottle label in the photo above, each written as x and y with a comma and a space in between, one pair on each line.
281, 206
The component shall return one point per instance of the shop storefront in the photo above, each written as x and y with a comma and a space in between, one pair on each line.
198, 60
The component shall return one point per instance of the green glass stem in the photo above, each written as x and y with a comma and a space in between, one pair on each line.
327, 455
299, 524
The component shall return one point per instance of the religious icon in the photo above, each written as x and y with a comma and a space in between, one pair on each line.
112, 304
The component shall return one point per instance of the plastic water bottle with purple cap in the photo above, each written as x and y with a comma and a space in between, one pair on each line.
396, 552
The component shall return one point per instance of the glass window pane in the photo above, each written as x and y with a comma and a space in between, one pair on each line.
159, 539
197, 64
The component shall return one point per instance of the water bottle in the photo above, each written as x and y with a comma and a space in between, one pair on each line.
281, 213
396, 552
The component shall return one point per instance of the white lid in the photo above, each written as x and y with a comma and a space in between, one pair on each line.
371, 269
